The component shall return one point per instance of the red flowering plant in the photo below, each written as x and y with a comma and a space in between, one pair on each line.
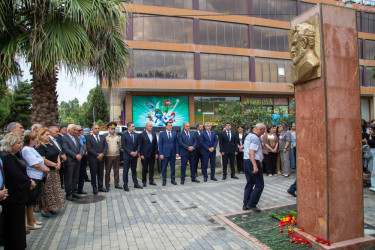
323, 241
289, 221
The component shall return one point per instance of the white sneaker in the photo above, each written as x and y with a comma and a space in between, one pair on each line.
270, 175
275, 175
372, 189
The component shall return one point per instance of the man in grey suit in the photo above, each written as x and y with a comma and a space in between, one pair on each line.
96, 147
73, 151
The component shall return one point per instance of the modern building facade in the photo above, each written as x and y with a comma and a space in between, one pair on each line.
190, 56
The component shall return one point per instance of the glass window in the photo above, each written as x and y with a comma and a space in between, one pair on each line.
258, 70
237, 36
370, 49
205, 107
271, 9
224, 6
212, 75
237, 68
282, 10
163, 29
163, 64
271, 39
258, 37
361, 83
203, 32
245, 68
211, 26
288, 71
204, 66
244, 36
220, 34
281, 71
256, 8
229, 68
229, 35
306, 6
273, 69
220, 67
185, 4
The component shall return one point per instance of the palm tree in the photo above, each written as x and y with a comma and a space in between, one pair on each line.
82, 35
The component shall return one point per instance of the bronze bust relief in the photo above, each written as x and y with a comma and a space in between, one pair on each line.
304, 45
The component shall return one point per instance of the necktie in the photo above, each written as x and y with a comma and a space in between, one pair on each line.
209, 135
169, 135
188, 135
131, 135
228, 135
97, 138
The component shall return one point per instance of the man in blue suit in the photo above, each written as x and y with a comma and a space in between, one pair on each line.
187, 143
168, 151
130, 144
208, 141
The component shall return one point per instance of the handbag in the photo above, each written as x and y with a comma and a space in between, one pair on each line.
366, 153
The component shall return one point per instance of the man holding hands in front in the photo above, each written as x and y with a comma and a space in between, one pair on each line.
208, 141
169, 151
149, 152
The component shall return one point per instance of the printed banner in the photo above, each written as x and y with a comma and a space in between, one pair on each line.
160, 109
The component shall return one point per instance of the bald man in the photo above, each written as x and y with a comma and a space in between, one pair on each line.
149, 152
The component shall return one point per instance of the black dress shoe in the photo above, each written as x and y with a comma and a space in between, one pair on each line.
234, 177
152, 183
164, 183
182, 182
291, 192
70, 198
244, 207
27, 232
205, 179
195, 180
102, 190
107, 188
224, 177
87, 180
144, 184
82, 192
95, 192
213, 179
138, 186
174, 182
77, 196
126, 188
118, 187
255, 209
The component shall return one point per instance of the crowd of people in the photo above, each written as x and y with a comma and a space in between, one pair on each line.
36, 167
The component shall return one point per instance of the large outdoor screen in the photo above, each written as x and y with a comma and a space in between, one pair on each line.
160, 109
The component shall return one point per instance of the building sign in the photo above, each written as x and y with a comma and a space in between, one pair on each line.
363, 5
160, 109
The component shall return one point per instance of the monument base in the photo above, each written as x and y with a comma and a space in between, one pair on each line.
356, 243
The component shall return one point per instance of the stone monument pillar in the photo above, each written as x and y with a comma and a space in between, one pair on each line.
323, 43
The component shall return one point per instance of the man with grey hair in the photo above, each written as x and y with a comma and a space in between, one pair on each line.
208, 142
73, 149
253, 171
36, 127
15, 127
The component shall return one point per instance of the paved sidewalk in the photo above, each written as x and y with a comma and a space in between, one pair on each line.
171, 217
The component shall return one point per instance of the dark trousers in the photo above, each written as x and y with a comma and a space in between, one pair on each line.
205, 158
271, 159
62, 173
2, 228
130, 163
71, 178
254, 185
159, 164
198, 156
164, 164
225, 158
82, 172
97, 174
293, 187
184, 161
109, 162
148, 165
14, 225
239, 157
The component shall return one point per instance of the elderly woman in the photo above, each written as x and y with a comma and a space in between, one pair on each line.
52, 196
35, 169
284, 148
18, 184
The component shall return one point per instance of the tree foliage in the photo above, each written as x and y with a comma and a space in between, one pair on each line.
20, 107
5, 100
98, 106
248, 114
72, 112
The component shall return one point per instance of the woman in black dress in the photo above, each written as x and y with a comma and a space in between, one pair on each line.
52, 197
18, 184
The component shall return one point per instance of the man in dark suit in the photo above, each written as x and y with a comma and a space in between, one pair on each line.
208, 141
228, 150
130, 144
198, 154
187, 143
61, 133
97, 147
148, 145
73, 151
169, 151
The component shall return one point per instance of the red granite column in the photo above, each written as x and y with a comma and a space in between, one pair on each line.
330, 199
